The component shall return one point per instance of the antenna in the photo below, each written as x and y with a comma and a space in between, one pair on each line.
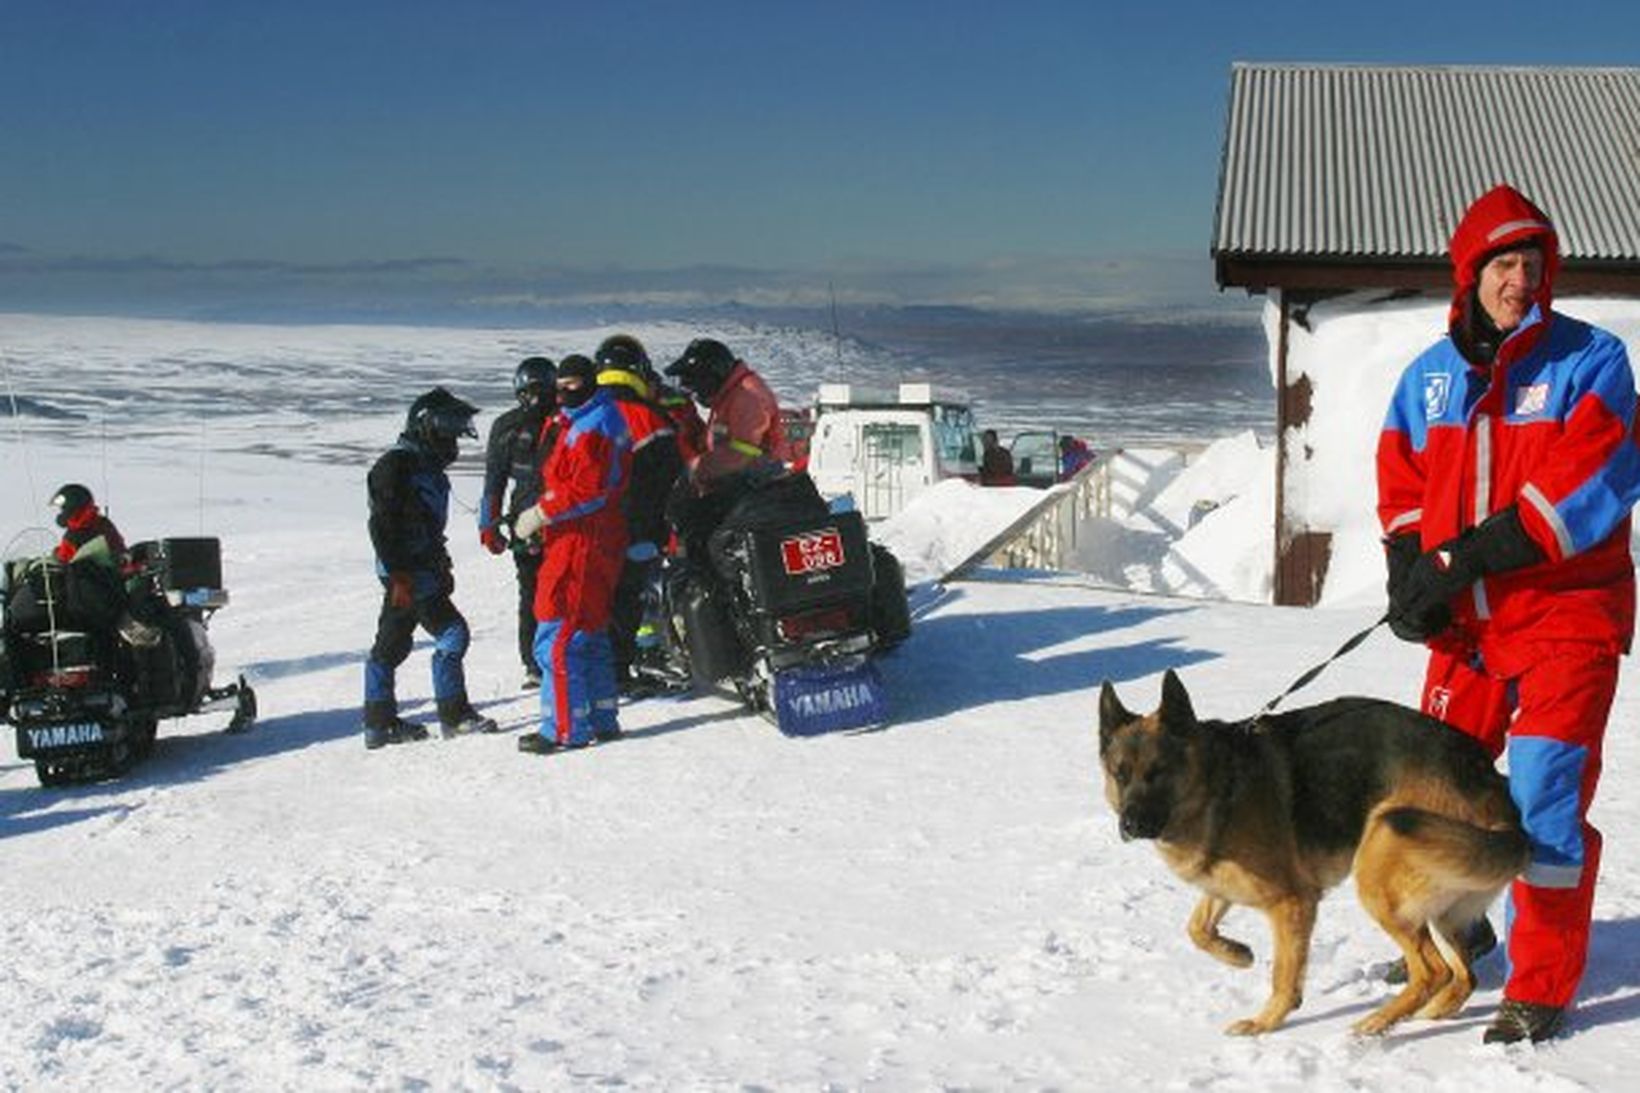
202, 479
836, 335
17, 425
107, 500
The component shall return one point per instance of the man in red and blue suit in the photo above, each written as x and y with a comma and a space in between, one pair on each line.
624, 370
583, 548
1507, 468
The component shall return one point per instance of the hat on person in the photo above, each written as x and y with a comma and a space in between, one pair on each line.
580, 367
1502, 219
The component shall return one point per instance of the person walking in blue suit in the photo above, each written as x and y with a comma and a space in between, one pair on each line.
409, 503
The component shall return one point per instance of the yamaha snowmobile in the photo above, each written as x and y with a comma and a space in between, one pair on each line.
786, 602
92, 659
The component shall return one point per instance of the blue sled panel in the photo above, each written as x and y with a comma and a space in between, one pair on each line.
814, 699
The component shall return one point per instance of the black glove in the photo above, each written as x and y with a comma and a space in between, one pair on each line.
1420, 593
1402, 555
1420, 605
1400, 551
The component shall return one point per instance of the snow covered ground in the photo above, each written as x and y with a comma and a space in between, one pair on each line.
943, 903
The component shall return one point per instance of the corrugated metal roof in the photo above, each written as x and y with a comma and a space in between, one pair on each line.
1365, 162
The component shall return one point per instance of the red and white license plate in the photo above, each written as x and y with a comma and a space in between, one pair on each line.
812, 552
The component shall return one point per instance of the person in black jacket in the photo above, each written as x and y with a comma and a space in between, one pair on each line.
409, 503
517, 450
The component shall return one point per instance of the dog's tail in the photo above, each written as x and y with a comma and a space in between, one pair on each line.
1454, 852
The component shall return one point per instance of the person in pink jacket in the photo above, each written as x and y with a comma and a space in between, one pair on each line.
743, 426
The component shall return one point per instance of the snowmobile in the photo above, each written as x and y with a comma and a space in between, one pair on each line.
785, 601
92, 659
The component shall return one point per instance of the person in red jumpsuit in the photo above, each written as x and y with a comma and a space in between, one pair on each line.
583, 548
1507, 468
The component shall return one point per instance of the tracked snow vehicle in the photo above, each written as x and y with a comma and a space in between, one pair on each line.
83, 686
789, 604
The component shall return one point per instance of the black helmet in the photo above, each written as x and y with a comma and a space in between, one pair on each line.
532, 382
69, 500
439, 419
625, 352
705, 364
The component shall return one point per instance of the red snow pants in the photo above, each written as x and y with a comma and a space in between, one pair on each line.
1546, 704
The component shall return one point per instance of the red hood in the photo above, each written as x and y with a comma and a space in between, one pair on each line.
1499, 218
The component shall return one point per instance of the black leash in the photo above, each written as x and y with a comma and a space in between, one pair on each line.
1305, 679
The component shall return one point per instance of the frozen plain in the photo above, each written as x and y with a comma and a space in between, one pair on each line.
940, 904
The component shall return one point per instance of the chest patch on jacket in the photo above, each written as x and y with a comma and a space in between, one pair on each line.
1531, 400
1437, 393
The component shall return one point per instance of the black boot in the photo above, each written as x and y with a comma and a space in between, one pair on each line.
383, 726
1517, 1021
458, 718
533, 743
1477, 941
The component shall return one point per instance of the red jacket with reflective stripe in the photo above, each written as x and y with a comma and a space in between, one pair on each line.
583, 545
1547, 426
657, 459
743, 427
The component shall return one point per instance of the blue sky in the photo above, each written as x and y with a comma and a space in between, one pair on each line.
1025, 153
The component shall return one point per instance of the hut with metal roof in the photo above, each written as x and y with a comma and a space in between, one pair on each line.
1342, 178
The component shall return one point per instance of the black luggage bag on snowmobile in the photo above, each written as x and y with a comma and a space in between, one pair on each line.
184, 570
806, 581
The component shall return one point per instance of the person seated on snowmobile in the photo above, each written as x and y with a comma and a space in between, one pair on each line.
743, 423
745, 439
89, 536
86, 529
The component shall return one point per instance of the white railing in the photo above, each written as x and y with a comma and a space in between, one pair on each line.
1046, 534
1119, 485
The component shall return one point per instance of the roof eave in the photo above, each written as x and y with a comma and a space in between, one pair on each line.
1258, 273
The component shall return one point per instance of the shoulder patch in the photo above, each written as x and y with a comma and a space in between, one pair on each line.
1531, 400
1437, 393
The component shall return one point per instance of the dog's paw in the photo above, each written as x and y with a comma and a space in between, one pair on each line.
1249, 1026
1446, 1003
1373, 1024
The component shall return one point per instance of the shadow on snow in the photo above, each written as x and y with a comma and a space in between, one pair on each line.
954, 662
176, 759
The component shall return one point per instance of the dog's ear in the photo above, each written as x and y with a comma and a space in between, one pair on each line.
1177, 712
1112, 715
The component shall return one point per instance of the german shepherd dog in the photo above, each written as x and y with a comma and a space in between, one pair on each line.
1274, 813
